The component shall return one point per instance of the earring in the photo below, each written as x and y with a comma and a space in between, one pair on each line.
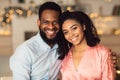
68, 45
84, 27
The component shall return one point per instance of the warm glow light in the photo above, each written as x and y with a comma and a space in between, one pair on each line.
8, 20
29, 13
118, 71
69, 8
93, 15
100, 32
117, 32
108, 0
5, 32
108, 19
7, 15
19, 11
11, 11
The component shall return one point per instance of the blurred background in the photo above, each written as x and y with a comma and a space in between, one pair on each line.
18, 22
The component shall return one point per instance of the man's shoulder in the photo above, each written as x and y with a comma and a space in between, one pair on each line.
26, 44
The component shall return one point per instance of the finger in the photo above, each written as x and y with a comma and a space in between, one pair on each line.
113, 53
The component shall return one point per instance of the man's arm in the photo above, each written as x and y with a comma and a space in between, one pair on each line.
19, 64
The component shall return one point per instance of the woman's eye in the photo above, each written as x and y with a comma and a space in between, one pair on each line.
64, 32
74, 28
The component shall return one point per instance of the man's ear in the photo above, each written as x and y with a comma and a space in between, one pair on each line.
38, 22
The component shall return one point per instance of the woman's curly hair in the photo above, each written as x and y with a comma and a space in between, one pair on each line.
90, 31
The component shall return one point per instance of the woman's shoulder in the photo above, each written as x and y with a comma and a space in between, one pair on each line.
102, 50
101, 47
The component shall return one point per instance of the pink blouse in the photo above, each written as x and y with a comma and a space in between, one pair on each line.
94, 65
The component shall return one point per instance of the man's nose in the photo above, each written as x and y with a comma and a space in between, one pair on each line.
51, 25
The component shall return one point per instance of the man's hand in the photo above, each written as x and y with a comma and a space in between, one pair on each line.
114, 58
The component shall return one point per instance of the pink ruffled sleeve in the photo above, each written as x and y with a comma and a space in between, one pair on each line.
107, 66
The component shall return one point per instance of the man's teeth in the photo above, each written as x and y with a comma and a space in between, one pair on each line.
50, 32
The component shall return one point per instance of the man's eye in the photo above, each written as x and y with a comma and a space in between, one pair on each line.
55, 22
45, 22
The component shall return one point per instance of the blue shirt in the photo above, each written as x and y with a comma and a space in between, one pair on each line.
35, 60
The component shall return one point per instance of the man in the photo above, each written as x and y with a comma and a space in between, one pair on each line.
37, 58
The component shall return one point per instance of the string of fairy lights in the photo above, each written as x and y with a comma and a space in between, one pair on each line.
7, 14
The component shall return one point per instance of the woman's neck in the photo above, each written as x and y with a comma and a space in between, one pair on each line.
80, 47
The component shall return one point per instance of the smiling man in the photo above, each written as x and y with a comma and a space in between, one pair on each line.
37, 58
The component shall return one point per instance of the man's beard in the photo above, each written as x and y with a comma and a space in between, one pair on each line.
49, 41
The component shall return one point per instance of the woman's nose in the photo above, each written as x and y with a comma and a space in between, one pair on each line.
71, 33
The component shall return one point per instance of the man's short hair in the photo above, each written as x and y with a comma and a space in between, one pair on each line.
51, 6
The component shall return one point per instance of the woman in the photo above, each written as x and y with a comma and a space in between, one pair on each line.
84, 57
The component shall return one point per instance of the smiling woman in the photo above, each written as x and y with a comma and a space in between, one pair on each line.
85, 54
72, 30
